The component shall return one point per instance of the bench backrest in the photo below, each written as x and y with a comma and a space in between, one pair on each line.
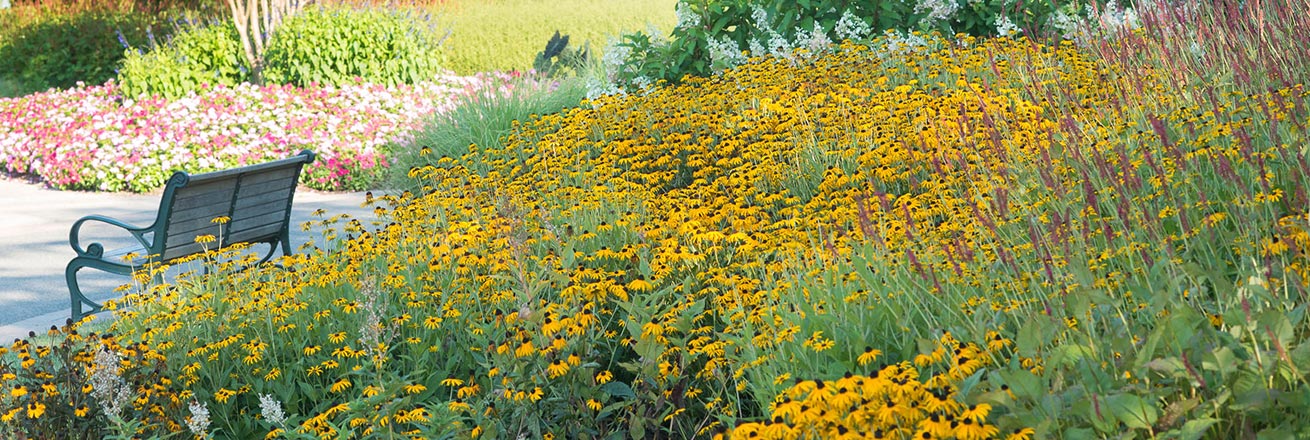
256, 199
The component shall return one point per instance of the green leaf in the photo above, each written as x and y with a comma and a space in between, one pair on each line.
1030, 338
1024, 383
1133, 411
618, 390
638, 429
1196, 428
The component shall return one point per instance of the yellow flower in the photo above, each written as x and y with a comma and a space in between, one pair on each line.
223, 394
594, 404
977, 413
35, 410
18, 391
273, 374
451, 382
869, 355
458, 406
414, 388
1021, 434
341, 385
557, 368
968, 429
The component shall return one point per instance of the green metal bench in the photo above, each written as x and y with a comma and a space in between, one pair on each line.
255, 199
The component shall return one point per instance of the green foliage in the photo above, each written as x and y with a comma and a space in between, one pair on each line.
336, 46
712, 34
10, 88
477, 123
196, 56
559, 59
60, 51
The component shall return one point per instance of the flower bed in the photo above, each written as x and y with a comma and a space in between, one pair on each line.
971, 239
91, 138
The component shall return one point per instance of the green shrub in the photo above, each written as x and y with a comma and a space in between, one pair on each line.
199, 55
712, 35
60, 51
335, 46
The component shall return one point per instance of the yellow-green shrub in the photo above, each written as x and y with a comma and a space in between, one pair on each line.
194, 57
333, 46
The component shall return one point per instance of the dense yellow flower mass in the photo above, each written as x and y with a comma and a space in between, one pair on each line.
736, 248
889, 403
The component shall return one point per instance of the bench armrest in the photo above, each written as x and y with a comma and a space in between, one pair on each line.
97, 250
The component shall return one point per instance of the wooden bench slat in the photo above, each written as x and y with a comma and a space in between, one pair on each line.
256, 220
268, 231
277, 206
259, 189
186, 249
274, 175
185, 196
257, 201
200, 213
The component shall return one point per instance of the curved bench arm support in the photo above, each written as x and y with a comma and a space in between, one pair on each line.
96, 250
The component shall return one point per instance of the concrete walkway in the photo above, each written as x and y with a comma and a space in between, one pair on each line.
34, 227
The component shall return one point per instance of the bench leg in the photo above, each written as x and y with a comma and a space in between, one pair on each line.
75, 292
285, 238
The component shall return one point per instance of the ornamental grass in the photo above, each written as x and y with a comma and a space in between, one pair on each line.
976, 238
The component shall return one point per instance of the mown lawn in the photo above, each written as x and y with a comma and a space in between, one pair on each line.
506, 35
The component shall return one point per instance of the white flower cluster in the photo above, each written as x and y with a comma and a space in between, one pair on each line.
850, 27
687, 18
724, 53
1106, 23
271, 410
611, 64
815, 40
772, 42
938, 10
896, 44
1005, 27
199, 421
373, 332
107, 387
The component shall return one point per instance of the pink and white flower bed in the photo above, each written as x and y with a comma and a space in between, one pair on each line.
91, 138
